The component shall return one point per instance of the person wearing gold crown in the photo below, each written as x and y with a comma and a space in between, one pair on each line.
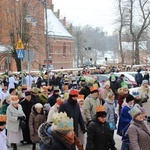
3, 137
14, 115
63, 133
99, 135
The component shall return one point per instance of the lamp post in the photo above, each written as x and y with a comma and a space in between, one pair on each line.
30, 19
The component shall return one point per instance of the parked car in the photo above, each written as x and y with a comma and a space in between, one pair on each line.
129, 79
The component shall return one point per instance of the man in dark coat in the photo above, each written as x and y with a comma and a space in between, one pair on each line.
26, 106
85, 88
52, 99
99, 135
72, 109
139, 77
35, 95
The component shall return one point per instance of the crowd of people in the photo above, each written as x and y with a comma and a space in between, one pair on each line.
69, 114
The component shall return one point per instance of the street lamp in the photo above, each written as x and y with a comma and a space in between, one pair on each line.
30, 19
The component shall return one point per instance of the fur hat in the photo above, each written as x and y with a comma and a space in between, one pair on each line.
62, 123
2, 120
129, 98
134, 112
100, 111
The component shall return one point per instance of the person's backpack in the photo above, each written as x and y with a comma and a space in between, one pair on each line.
45, 134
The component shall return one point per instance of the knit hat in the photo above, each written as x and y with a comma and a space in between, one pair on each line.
56, 88
73, 92
14, 99
100, 111
80, 98
62, 123
144, 82
129, 98
93, 89
38, 105
2, 120
134, 112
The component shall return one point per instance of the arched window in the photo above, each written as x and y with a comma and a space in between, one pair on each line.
64, 50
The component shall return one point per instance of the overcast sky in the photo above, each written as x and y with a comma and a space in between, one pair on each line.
97, 13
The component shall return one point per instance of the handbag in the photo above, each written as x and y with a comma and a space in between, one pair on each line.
22, 124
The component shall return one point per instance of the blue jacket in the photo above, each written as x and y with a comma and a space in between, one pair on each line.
124, 122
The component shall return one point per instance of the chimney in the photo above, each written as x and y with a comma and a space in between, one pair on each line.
64, 21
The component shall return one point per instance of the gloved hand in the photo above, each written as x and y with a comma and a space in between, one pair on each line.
21, 118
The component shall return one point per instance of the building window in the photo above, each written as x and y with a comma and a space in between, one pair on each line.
64, 50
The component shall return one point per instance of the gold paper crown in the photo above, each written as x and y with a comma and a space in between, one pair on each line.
14, 98
93, 88
80, 97
100, 108
62, 122
2, 118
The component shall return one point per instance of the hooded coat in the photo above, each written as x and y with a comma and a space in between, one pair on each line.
35, 120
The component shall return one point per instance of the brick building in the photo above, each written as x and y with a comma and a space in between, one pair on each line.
14, 26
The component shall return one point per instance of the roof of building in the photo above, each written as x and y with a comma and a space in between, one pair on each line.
55, 27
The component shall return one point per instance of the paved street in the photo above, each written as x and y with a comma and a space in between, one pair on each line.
29, 147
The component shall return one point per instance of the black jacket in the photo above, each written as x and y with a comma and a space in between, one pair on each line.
52, 99
73, 111
99, 136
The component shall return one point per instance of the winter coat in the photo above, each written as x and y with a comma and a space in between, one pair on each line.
12, 117
35, 120
121, 99
73, 111
99, 136
12, 82
26, 106
89, 107
139, 78
110, 110
35, 98
52, 111
139, 136
52, 99
85, 91
124, 121
3, 145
